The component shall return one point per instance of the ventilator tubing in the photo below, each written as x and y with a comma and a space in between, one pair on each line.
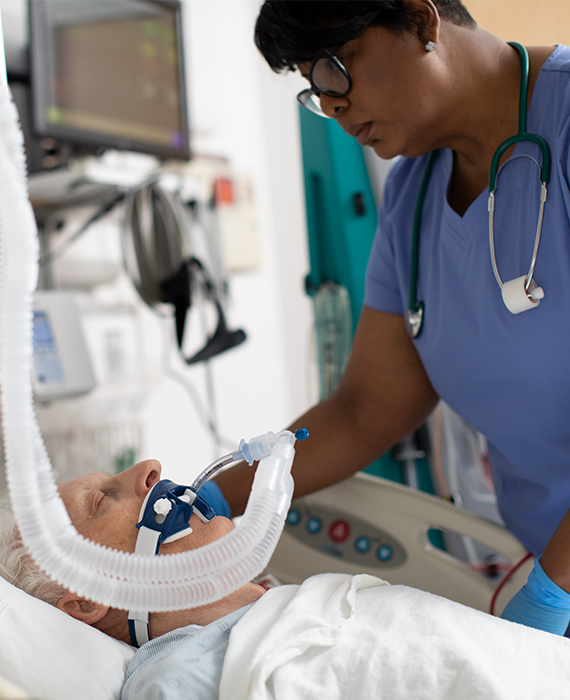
121, 580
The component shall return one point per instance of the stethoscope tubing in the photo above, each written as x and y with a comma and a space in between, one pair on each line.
491, 208
415, 257
522, 134
415, 314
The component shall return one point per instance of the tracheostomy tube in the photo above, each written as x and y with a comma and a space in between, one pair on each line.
122, 580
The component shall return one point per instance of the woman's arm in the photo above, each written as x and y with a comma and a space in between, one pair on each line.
383, 396
555, 559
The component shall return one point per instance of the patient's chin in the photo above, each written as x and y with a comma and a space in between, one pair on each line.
201, 535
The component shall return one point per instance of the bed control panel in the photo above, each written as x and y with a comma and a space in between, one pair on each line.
343, 536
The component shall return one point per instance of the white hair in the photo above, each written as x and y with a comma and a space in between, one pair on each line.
17, 565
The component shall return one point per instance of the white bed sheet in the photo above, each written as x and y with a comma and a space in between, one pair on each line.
54, 657
338, 636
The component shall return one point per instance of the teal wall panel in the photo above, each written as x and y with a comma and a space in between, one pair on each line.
341, 212
341, 219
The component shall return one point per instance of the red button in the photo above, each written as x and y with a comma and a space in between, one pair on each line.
339, 531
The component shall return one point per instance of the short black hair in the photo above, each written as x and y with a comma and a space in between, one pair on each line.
288, 32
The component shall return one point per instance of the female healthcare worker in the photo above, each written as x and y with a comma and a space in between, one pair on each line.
414, 78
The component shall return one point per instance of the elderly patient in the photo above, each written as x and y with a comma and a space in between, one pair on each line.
105, 509
188, 648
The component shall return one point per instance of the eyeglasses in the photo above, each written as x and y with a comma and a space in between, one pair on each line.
328, 77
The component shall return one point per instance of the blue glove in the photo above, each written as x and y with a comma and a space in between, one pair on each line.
540, 604
212, 493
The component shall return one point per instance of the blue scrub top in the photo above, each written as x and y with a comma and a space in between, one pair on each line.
507, 375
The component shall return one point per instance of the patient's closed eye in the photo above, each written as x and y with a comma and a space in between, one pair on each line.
100, 501
93, 502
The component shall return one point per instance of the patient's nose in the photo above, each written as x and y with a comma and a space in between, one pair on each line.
143, 475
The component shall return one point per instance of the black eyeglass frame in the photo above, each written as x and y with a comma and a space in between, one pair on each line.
305, 96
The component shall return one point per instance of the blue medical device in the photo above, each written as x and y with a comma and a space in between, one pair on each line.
165, 517
168, 508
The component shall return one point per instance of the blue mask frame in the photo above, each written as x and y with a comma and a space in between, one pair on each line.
160, 523
182, 500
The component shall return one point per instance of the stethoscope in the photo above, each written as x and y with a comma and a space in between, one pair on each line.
521, 293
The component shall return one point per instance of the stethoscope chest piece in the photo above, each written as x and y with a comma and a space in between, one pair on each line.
519, 296
415, 319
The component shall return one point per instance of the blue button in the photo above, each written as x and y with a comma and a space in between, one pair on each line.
384, 552
362, 544
314, 526
293, 517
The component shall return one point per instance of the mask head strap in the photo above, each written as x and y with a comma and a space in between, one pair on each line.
164, 517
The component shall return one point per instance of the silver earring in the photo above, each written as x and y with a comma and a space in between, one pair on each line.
430, 46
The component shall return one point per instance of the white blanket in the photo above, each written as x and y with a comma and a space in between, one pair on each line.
338, 636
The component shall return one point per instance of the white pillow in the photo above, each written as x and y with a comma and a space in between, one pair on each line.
54, 657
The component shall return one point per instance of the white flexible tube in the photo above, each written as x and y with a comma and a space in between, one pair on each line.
122, 580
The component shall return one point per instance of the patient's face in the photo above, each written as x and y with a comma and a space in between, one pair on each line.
106, 508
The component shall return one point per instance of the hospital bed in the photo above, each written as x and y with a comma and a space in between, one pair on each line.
369, 524
54, 657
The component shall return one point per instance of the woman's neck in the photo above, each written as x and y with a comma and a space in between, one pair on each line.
489, 116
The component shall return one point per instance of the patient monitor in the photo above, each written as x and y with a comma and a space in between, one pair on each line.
62, 366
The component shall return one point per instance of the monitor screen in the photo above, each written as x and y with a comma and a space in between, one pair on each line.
110, 74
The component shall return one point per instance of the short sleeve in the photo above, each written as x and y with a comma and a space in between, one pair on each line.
387, 273
381, 287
